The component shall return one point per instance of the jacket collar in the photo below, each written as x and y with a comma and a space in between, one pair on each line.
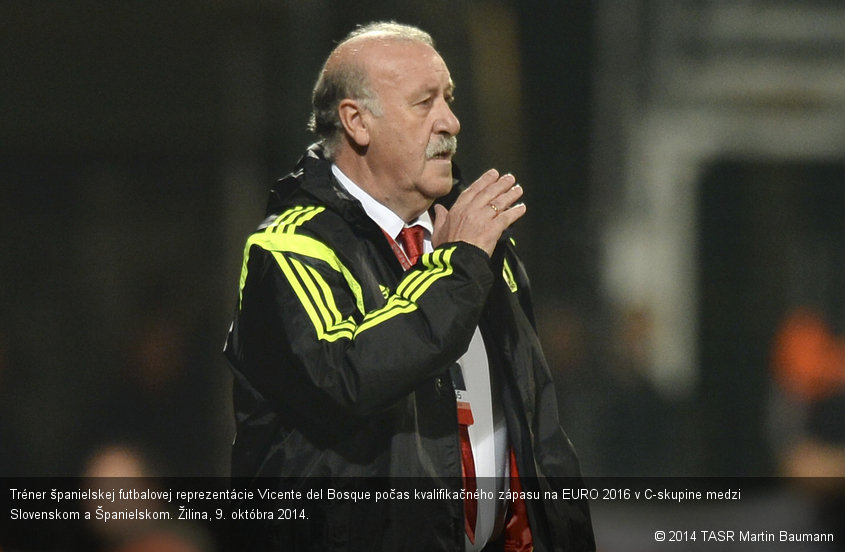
313, 175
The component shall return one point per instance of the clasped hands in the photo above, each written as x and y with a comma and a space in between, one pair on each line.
481, 213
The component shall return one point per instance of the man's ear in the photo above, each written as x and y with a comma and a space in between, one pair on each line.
354, 122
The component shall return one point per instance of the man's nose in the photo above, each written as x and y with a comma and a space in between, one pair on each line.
447, 121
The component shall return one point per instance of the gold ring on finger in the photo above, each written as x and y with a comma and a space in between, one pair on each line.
496, 209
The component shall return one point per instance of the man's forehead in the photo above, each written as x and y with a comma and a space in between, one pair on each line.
383, 45
404, 59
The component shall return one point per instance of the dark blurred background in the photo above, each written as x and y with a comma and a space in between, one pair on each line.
683, 164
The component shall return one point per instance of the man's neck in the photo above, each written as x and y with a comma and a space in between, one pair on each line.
355, 167
387, 219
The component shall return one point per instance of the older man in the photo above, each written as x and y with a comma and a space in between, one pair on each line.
384, 328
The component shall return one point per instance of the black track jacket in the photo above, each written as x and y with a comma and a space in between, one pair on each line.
341, 372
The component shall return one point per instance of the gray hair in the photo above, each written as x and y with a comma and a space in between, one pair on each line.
350, 80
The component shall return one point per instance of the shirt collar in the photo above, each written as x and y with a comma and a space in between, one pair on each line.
387, 220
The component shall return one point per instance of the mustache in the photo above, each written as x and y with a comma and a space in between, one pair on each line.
440, 145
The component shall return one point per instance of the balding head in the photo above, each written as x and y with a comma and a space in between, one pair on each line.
345, 75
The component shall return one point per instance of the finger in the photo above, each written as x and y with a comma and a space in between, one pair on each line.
511, 215
507, 198
495, 189
482, 183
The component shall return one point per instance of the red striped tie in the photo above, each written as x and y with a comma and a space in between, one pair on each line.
411, 238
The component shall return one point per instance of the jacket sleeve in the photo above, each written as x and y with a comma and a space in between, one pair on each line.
302, 332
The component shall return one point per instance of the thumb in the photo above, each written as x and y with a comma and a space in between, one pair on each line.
440, 215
